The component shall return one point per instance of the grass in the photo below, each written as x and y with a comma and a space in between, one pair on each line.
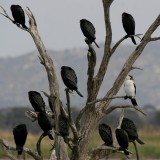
150, 136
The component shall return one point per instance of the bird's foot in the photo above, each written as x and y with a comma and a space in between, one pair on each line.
126, 97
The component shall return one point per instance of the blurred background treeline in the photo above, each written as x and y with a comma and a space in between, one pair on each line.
12, 116
148, 129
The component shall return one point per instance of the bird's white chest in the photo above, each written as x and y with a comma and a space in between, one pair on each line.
129, 88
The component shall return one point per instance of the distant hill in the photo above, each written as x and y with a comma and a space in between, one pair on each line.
21, 74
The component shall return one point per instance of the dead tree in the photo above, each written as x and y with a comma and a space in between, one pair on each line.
94, 110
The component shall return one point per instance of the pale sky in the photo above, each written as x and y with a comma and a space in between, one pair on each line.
58, 22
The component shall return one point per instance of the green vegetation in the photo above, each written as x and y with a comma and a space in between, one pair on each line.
151, 137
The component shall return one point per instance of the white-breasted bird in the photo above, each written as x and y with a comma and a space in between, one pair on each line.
130, 89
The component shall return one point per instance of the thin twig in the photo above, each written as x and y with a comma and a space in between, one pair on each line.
155, 39
7, 153
120, 118
68, 105
110, 109
38, 145
71, 122
31, 115
136, 149
138, 36
117, 44
26, 150
6, 15
104, 151
78, 119
104, 99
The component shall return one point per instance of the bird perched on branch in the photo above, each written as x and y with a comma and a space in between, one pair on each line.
88, 30
18, 15
130, 89
20, 136
106, 134
129, 26
70, 79
45, 124
122, 139
129, 126
64, 127
36, 101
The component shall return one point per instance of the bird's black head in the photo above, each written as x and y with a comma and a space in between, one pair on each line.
131, 77
63, 67
82, 20
13, 6
124, 14
66, 67
32, 93
21, 126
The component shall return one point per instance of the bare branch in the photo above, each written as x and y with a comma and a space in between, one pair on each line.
104, 151
120, 118
155, 39
71, 122
117, 44
110, 109
7, 153
138, 36
105, 99
68, 105
31, 115
26, 150
78, 119
32, 19
91, 66
107, 53
6, 15
136, 149
39, 143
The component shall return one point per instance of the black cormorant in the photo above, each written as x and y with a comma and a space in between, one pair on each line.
36, 101
18, 15
45, 124
64, 127
106, 134
20, 136
129, 126
88, 30
129, 25
69, 78
122, 139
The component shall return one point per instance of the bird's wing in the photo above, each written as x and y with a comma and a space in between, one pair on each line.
88, 29
71, 76
128, 24
135, 88
107, 131
131, 132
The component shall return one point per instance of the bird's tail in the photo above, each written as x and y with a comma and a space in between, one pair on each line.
79, 93
50, 136
133, 40
24, 26
96, 44
139, 141
134, 102
20, 150
125, 151
66, 139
